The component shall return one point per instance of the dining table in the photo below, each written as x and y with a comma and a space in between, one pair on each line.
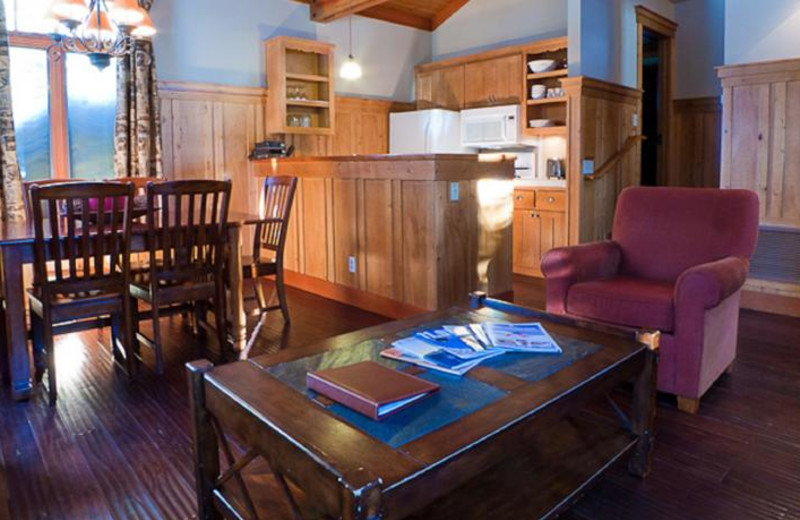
16, 250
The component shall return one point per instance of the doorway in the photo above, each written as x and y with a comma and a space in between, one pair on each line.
656, 80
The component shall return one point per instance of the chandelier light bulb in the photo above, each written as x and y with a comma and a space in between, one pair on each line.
145, 29
127, 13
351, 70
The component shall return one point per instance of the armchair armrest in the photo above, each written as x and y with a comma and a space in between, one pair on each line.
565, 266
709, 284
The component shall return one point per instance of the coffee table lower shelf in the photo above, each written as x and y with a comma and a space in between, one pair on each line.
563, 462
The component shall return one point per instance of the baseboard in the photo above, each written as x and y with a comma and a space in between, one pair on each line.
771, 303
350, 296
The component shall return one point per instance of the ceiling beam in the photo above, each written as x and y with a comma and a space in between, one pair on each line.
325, 11
446, 12
396, 16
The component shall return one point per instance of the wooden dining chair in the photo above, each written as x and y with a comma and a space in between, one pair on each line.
81, 267
26, 189
186, 242
270, 241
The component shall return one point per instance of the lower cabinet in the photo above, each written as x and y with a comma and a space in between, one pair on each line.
540, 224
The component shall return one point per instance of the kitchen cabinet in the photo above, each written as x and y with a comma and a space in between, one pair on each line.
441, 88
496, 81
540, 224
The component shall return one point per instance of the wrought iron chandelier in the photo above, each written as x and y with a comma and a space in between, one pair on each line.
103, 29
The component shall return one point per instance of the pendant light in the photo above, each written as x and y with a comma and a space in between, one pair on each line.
351, 70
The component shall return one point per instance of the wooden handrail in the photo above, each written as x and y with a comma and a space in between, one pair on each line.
616, 158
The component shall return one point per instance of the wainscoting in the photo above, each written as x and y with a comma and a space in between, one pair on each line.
698, 142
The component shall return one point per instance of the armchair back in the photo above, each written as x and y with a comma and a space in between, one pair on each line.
662, 232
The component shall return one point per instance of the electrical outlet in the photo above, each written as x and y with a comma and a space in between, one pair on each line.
588, 166
351, 264
635, 121
454, 195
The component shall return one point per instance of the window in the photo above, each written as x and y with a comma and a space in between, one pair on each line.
64, 107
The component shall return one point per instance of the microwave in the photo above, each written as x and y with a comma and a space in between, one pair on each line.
491, 127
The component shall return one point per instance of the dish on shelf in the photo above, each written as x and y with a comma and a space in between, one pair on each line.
540, 123
538, 91
538, 66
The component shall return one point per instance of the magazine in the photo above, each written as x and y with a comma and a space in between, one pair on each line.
418, 352
521, 337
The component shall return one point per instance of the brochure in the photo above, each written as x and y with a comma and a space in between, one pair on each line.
521, 337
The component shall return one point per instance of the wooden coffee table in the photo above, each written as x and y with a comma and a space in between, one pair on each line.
525, 446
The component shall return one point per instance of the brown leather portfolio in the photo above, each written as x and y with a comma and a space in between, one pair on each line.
370, 388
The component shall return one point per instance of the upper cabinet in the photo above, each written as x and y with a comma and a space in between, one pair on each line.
300, 74
496, 81
441, 88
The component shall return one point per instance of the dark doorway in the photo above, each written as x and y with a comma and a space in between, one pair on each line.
651, 107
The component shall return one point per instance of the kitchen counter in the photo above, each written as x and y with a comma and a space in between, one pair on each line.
399, 234
411, 167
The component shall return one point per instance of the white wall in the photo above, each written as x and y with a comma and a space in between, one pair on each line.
700, 47
761, 30
198, 41
486, 24
604, 44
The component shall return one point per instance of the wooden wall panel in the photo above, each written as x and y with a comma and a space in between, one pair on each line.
601, 120
378, 241
345, 231
314, 231
419, 259
698, 142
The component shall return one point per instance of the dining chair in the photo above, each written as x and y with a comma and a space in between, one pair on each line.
186, 242
81, 267
26, 188
270, 238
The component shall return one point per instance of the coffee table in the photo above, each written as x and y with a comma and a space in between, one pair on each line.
513, 438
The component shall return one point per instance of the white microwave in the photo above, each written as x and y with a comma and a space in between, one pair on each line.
491, 127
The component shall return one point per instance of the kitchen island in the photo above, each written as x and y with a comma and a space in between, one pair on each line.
399, 234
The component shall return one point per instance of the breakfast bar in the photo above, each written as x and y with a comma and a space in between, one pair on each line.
398, 234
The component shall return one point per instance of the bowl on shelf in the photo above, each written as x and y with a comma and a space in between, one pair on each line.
540, 123
538, 91
538, 66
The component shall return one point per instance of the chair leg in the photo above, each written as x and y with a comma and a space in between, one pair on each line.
39, 361
730, 368
128, 338
220, 319
157, 337
261, 298
688, 405
116, 339
49, 344
280, 288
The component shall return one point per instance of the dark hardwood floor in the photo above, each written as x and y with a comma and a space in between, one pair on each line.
110, 449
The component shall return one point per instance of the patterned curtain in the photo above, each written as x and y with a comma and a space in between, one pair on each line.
11, 208
137, 133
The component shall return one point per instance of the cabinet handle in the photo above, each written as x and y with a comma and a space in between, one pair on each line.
551, 199
519, 197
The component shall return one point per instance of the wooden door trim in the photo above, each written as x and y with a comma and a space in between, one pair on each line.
666, 28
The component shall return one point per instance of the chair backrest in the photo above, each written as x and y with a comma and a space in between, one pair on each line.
139, 183
277, 198
26, 190
79, 237
187, 223
665, 231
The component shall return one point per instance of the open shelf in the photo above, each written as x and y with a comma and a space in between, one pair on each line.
312, 78
547, 101
546, 131
560, 73
311, 103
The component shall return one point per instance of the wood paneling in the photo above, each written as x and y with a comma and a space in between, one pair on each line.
698, 142
601, 120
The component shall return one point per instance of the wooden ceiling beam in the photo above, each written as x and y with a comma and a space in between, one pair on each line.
396, 16
325, 11
446, 12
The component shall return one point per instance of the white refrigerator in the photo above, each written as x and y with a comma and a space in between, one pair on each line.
425, 132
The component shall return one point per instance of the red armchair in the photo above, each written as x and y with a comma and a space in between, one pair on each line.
676, 262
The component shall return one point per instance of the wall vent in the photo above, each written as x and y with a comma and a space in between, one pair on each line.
777, 255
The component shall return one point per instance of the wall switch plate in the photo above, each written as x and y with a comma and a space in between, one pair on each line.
351, 264
454, 195
635, 121
588, 166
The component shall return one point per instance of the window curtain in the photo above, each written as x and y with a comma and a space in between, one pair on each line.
137, 133
11, 207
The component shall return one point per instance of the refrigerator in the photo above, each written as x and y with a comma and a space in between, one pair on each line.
425, 132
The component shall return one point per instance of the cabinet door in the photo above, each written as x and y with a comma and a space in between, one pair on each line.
493, 82
448, 88
527, 251
553, 231
423, 90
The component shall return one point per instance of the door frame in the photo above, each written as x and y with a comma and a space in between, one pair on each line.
665, 29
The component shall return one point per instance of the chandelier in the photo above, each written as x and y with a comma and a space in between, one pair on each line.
103, 29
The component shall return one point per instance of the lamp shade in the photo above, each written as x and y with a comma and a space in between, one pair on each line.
145, 29
69, 10
127, 13
350, 69
98, 26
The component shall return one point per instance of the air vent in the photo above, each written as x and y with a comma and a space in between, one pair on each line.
777, 255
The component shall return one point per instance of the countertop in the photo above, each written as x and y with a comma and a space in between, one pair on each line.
389, 157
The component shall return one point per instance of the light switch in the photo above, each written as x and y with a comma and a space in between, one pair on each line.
454, 195
588, 166
635, 121
351, 264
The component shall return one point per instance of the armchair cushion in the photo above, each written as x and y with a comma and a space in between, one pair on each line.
626, 301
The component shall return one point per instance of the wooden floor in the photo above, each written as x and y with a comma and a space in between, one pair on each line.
114, 450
